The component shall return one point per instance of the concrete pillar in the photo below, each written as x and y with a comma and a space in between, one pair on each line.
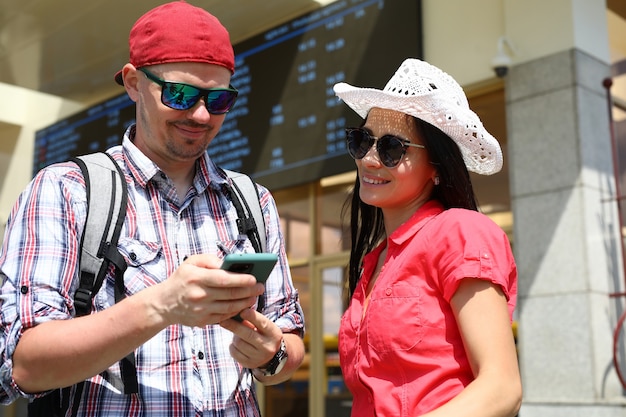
566, 235
566, 225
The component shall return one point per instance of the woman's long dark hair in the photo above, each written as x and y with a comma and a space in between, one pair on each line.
455, 190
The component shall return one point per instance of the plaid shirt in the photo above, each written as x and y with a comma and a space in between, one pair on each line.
182, 371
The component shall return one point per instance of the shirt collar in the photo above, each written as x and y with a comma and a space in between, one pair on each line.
421, 216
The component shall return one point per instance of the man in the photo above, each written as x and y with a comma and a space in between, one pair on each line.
191, 358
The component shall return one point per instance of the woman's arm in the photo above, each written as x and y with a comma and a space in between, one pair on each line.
483, 319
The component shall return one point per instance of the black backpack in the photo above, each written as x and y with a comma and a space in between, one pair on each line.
99, 251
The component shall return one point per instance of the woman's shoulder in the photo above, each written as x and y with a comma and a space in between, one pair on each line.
467, 222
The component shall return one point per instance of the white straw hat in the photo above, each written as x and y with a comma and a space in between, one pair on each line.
424, 91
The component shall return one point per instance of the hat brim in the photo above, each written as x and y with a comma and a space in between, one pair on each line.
455, 121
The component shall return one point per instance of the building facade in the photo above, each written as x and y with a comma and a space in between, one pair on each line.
557, 196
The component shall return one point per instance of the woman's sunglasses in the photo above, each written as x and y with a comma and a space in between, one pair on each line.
391, 149
180, 96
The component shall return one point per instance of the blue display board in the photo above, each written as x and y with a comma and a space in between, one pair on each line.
287, 125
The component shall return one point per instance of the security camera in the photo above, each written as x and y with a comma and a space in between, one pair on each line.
502, 61
501, 64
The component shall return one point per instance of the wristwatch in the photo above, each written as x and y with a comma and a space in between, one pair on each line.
277, 363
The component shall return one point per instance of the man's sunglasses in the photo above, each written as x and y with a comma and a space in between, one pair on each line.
391, 149
180, 96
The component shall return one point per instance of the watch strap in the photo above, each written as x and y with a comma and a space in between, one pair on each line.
276, 364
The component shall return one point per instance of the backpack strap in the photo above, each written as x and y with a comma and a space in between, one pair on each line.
251, 220
99, 242
245, 197
105, 218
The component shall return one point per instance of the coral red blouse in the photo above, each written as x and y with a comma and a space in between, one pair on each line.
405, 356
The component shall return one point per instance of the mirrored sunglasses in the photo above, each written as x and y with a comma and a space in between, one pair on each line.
390, 148
180, 96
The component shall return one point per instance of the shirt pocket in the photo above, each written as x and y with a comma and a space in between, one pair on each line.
138, 253
393, 318
145, 267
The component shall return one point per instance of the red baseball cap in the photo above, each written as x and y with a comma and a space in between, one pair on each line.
179, 32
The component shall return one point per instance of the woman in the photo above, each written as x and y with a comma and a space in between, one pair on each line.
432, 281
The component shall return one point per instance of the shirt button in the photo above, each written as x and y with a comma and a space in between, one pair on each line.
200, 355
388, 291
24, 289
133, 256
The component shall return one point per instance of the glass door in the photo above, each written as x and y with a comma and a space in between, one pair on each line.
328, 394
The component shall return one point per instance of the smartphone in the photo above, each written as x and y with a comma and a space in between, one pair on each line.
258, 264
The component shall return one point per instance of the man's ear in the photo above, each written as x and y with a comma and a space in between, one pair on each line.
130, 75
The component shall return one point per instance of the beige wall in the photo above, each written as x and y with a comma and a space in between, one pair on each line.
461, 36
20, 118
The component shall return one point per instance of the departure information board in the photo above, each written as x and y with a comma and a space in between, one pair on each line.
95, 129
287, 125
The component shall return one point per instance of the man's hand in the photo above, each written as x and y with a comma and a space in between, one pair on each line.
199, 293
257, 339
